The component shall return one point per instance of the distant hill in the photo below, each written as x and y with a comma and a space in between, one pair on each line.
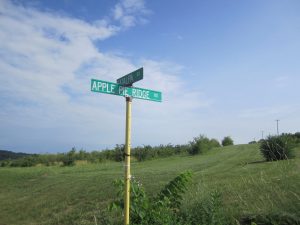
11, 155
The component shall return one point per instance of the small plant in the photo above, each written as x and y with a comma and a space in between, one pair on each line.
173, 191
209, 211
162, 209
277, 148
227, 141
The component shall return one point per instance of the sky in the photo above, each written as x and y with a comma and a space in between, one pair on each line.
225, 68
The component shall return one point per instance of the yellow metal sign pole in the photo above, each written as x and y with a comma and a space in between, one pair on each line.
127, 161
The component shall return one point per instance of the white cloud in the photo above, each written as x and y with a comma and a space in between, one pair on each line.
130, 12
46, 63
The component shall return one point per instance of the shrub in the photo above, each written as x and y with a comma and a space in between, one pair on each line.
143, 153
162, 209
69, 158
227, 141
4, 163
119, 152
24, 162
173, 191
297, 135
277, 147
199, 145
214, 143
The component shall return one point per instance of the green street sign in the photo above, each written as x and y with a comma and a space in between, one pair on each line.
117, 89
132, 77
145, 94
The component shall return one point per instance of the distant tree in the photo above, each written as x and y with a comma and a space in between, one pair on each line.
82, 155
119, 153
297, 135
227, 141
214, 143
200, 145
69, 158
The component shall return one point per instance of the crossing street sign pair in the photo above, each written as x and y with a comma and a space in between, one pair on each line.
117, 89
123, 87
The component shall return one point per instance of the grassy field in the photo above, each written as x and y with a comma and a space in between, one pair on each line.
77, 195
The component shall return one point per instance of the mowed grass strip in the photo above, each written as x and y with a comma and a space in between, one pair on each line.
76, 195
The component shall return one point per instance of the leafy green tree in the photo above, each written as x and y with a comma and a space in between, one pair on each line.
199, 145
202, 144
214, 143
119, 153
227, 141
69, 158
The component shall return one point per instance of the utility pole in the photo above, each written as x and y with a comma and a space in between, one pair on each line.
262, 134
277, 126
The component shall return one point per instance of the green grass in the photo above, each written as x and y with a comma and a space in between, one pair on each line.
76, 195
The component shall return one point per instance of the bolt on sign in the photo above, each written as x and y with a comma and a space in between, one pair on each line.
124, 88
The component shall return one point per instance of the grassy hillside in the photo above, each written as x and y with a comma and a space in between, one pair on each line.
76, 195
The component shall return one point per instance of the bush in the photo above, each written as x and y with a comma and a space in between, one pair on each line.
227, 141
143, 153
161, 209
297, 135
202, 144
277, 147
119, 152
24, 162
4, 163
214, 143
69, 158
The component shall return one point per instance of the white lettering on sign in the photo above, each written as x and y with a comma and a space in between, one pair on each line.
117, 89
103, 87
99, 85
122, 90
138, 93
94, 86
130, 78
127, 80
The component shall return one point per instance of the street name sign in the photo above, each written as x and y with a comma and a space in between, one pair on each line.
117, 89
132, 77
123, 87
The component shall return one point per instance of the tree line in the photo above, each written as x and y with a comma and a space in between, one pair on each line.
272, 148
198, 145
